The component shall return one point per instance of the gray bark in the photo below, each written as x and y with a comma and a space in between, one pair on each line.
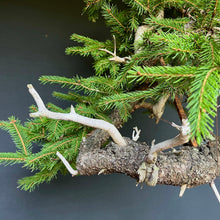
188, 165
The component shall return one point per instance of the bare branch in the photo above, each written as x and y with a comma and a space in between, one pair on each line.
116, 58
67, 165
138, 40
139, 37
107, 51
115, 48
180, 139
102, 171
156, 109
136, 133
73, 116
182, 115
215, 190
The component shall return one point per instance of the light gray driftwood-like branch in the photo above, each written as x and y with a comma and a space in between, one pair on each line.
180, 139
114, 57
215, 190
138, 40
73, 116
136, 133
148, 170
67, 165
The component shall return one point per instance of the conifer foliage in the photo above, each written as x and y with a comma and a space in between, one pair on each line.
177, 54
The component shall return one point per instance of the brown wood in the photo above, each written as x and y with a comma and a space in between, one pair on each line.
182, 115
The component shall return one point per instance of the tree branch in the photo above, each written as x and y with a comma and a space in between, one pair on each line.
180, 139
182, 116
156, 109
73, 116
67, 165
116, 58
215, 190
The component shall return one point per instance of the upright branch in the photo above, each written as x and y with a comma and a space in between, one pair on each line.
148, 171
73, 116
182, 116
114, 57
180, 139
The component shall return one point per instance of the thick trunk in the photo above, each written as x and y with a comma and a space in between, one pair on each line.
189, 165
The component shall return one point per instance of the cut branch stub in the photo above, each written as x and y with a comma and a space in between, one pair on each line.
73, 116
157, 109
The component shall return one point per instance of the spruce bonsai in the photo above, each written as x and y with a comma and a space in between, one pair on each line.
160, 51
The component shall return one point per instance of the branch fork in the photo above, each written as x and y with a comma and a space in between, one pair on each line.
157, 109
73, 116
116, 58
182, 138
136, 133
148, 171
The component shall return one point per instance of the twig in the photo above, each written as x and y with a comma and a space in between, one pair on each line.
215, 190
67, 165
73, 116
102, 171
136, 133
116, 58
180, 139
157, 109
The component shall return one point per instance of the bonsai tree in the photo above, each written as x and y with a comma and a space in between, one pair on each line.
160, 51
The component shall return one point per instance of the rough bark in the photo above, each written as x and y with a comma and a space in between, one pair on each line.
188, 165
191, 166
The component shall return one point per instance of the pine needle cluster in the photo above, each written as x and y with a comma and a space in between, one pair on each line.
177, 55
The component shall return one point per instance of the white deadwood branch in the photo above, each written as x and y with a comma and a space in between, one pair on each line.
215, 190
116, 58
136, 133
67, 165
180, 139
73, 116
